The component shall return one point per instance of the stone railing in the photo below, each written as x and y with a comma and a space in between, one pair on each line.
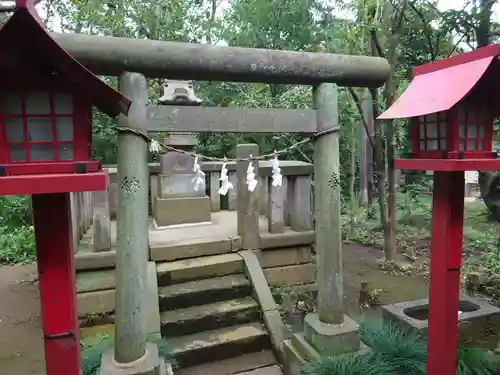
81, 214
287, 206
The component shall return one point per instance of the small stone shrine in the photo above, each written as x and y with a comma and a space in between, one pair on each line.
177, 201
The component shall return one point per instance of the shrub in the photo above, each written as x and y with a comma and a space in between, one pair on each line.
395, 351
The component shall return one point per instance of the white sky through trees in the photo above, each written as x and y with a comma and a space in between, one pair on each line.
442, 5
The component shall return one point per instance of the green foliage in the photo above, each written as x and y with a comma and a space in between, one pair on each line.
17, 239
474, 361
368, 364
395, 351
403, 351
91, 355
17, 245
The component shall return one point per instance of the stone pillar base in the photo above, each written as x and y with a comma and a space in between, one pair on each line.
297, 351
332, 339
150, 364
186, 210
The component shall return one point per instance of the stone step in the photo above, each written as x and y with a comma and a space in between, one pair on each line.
235, 365
269, 370
199, 292
198, 268
219, 344
210, 316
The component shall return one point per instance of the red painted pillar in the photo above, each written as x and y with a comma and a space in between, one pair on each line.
54, 250
446, 260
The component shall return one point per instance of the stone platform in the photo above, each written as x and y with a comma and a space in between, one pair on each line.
286, 259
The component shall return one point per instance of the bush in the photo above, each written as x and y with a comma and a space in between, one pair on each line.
395, 351
17, 239
17, 245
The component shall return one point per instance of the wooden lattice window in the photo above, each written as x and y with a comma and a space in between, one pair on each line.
472, 126
38, 126
432, 132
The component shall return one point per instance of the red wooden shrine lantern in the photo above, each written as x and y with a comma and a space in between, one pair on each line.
451, 105
45, 148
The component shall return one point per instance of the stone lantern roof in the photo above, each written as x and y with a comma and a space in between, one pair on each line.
179, 93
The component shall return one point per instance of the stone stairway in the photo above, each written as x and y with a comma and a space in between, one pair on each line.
212, 321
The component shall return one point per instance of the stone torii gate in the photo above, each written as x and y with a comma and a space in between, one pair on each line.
325, 332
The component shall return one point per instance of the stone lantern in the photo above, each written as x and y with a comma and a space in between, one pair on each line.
177, 201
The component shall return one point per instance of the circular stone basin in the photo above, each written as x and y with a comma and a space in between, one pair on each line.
422, 312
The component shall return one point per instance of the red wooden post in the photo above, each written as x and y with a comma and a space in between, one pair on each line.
446, 260
54, 249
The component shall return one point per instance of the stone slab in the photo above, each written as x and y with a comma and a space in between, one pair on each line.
150, 364
204, 291
179, 185
269, 370
176, 163
198, 268
293, 360
332, 339
210, 316
172, 211
95, 261
258, 280
285, 256
92, 281
290, 275
277, 331
304, 348
182, 139
219, 344
192, 248
153, 325
230, 366
100, 302
287, 239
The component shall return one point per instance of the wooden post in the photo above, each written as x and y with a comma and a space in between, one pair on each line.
132, 225
327, 207
214, 188
248, 202
300, 215
56, 270
276, 206
446, 260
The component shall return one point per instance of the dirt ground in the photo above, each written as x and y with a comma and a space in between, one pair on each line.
21, 345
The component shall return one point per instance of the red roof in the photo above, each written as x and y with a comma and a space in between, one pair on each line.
26, 30
440, 85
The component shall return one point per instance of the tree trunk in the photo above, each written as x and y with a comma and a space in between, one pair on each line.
352, 191
489, 182
366, 151
392, 57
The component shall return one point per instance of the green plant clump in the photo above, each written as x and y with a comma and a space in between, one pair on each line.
395, 351
17, 238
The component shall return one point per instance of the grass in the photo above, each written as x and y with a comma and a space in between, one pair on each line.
395, 351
